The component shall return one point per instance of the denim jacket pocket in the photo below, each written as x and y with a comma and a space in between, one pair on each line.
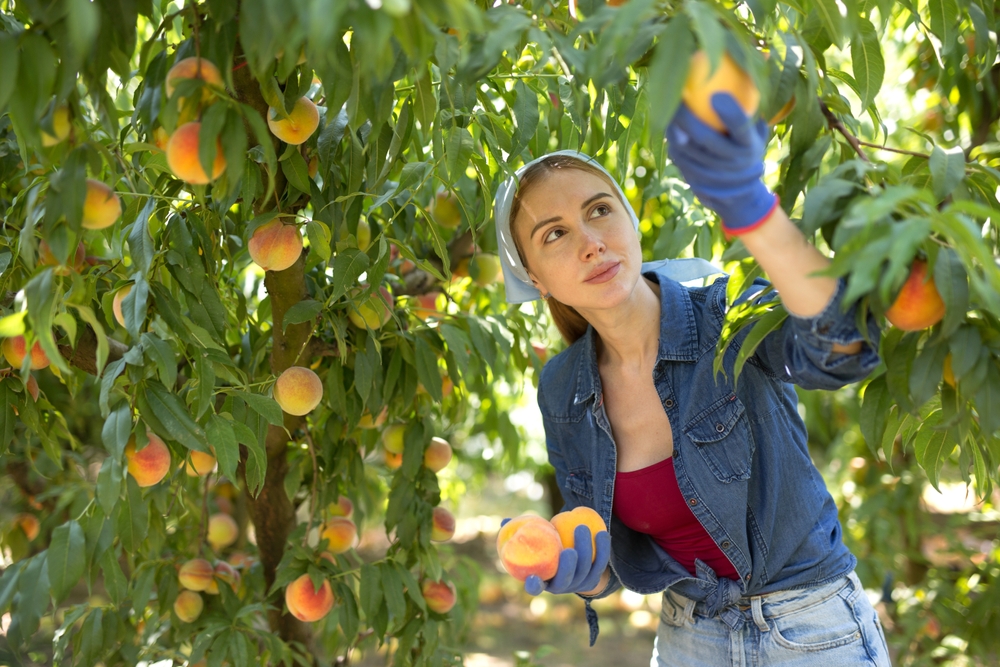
581, 485
722, 435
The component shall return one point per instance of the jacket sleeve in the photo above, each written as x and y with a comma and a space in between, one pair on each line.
801, 349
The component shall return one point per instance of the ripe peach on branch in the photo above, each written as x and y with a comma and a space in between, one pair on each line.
919, 304
306, 602
150, 464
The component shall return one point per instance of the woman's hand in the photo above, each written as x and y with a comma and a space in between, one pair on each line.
576, 573
724, 170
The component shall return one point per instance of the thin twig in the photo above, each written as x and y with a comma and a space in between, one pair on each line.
894, 150
835, 124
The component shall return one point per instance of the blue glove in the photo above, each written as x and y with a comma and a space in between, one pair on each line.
576, 573
724, 170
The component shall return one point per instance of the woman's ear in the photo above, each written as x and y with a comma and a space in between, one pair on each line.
536, 283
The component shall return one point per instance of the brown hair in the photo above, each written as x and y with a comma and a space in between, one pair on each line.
571, 324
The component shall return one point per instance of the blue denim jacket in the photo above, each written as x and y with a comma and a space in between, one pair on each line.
740, 454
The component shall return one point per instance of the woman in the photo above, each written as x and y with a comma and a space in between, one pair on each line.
707, 488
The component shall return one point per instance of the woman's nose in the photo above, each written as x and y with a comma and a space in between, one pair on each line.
592, 244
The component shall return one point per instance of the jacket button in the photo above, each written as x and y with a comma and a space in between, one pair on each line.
693, 502
720, 428
726, 545
746, 578
669, 402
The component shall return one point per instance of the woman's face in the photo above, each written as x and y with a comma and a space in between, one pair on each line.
578, 240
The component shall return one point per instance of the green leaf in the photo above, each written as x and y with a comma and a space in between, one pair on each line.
953, 284
227, 451
115, 582
117, 430
932, 446
319, 239
944, 22
427, 369
65, 561
926, 373
133, 519
160, 352
668, 71
8, 584
988, 398
867, 62
348, 265
294, 167
109, 483
9, 56
763, 326
140, 243
265, 406
303, 311
87, 315
947, 170
458, 148
831, 18
392, 587
874, 411
371, 590
525, 116
8, 420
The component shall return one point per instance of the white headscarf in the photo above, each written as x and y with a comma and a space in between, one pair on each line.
516, 280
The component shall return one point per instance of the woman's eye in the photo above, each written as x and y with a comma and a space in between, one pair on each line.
602, 209
553, 235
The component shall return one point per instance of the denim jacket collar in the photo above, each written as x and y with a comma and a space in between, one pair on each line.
678, 336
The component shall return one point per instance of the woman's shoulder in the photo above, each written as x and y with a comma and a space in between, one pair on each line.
561, 374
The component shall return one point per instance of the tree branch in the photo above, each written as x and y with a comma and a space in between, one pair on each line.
84, 355
835, 124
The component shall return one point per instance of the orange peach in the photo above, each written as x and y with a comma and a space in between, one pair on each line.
508, 529
443, 526
783, 112
46, 258
439, 595
533, 548
188, 606
392, 460
200, 464
222, 530
367, 421
298, 126
727, 78
374, 311
566, 522
445, 209
60, 125
29, 524
196, 574
275, 246
116, 304
918, 304
15, 349
426, 305
393, 438
226, 573
343, 507
438, 454
150, 464
298, 390
241, 560
306, 602
182, 156
193, 68
340, 533
101, 207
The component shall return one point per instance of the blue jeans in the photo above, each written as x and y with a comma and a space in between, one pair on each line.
831, 625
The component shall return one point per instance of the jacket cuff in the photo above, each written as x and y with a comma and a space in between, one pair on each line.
832, 325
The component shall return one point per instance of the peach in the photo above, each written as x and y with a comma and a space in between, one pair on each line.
426, 305
298, 126
367, 421
313, 167
443, 526
298, 390
46, 258
533, 547
783, 112
226, 573
193, 68
182, 156
29, 524
196, 574
364, 235
949, 374
241, 560
160, 138
150, 464
340, 533
275, 246
484, 268
101, 207
918, 304
727, 78
306, 602
566, 522
188, 606
222, 530
15, 349
393, 438
200, 464
60, 125
31, 384
343, 507
437, 455
393, 461
372, 313
439, 595
508, 529
116, 304
445, 209
447, 386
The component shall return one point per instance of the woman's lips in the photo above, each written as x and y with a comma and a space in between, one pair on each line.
604, 276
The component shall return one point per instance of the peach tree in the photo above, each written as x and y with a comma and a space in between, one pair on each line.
251, 241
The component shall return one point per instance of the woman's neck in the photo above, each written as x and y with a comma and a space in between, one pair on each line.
629, 335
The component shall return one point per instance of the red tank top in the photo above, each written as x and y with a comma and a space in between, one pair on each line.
649, 501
